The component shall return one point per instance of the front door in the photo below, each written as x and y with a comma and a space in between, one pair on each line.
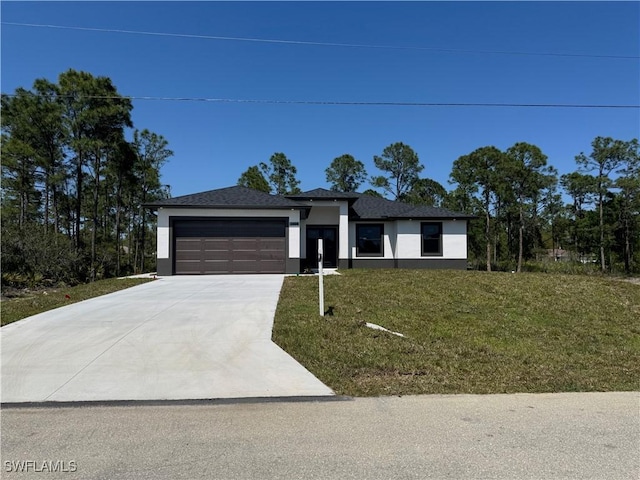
330, 237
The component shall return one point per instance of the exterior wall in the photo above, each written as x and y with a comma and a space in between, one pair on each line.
323, 215
328, 213
401, 239
454, 239
403, 246
425, 263
343, 248
165, 233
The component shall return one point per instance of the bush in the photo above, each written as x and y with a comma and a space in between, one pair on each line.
569, 268
31, 257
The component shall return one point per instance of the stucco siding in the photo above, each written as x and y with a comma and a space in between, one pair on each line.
163, 241
454, 239
321, 215
343, 235
408, 239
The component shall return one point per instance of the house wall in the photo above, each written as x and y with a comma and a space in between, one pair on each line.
164, 234
323, 215
328, 213
403, 246
402, 239
454, 239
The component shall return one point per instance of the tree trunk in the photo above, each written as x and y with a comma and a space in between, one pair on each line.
142, 241
143, 224
68, 213
131, 229
520, 238
602, 259
94, 232
56, 213
627, 246
487, 232
78, 200
22, 210
46, 203
135, 253
117, 225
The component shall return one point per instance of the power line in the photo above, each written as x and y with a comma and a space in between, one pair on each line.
344, 103
323, 44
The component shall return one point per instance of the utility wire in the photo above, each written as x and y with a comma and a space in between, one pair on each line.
341, 103
323, 44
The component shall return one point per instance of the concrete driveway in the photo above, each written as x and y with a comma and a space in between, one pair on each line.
175, 338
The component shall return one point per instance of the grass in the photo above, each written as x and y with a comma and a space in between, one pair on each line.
466, 332
37, 302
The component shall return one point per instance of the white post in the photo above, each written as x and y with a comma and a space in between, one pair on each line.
321, 276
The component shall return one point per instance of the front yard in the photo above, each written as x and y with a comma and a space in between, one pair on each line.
466, 332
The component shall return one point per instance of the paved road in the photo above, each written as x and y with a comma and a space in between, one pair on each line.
174, 338
544, 436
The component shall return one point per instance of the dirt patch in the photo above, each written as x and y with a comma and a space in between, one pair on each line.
13, 293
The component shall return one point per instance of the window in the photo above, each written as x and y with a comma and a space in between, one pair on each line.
431, 238
369, 240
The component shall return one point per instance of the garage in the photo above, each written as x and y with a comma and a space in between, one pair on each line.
229, 246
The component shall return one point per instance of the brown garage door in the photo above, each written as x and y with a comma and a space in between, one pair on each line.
229, 246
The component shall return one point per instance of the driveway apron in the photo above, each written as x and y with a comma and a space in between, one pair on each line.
199, 337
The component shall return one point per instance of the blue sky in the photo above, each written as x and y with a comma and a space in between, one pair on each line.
215, 142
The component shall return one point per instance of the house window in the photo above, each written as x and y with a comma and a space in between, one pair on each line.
431, 238
370, 242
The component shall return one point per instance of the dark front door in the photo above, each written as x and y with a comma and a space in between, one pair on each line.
330, 237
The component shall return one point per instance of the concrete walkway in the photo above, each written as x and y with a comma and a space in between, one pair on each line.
175, 338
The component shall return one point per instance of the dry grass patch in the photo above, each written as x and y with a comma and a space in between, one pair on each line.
467, 332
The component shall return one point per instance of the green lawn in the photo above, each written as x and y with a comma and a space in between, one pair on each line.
18, 308
466, 332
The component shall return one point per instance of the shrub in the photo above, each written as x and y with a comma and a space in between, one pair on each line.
29, 257
570, 268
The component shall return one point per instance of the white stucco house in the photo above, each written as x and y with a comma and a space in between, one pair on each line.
240, 230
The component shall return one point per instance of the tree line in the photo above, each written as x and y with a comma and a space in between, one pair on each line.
73, 186
516, 196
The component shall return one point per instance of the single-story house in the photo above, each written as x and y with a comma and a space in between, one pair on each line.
241, 230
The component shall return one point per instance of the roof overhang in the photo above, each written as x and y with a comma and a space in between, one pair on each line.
304, 209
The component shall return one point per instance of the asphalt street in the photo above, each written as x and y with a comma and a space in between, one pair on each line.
522, 436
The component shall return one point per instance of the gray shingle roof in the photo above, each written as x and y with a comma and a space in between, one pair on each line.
230, 197
363, 207
323, 194
374, 208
